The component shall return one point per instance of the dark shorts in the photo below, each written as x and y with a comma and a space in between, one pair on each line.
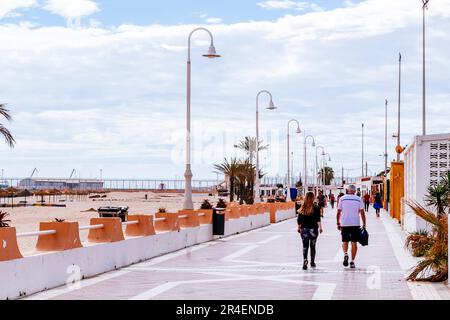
350, 234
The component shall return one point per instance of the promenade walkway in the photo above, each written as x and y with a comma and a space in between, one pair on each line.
266, 264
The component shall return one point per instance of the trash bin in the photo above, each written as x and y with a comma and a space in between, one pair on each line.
219, 221
293, 193
114, 212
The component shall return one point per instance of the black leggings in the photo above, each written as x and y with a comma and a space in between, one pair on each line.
366, 206
309, 238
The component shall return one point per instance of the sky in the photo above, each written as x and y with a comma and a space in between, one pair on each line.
101, 85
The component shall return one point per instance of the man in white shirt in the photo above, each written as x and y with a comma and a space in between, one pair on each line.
350, 208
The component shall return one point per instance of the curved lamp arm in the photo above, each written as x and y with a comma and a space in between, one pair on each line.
190, 36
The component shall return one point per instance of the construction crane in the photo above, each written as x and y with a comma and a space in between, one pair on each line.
71, 175
34, 171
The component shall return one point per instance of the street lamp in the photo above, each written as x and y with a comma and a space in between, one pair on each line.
270, 107
306, 168
316, 167
399, 101
424, 99
188, 203
288, 196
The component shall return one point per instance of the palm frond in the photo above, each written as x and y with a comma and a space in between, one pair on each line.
5, 112
8, 136
4, 223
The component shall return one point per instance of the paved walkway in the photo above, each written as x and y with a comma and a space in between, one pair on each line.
266, 264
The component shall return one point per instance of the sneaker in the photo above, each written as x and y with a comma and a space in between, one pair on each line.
313, 264
345, 261
352, 265
305, 265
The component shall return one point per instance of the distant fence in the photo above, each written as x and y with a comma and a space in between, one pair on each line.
115, 184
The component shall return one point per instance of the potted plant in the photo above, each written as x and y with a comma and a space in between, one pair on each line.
221, 204
162, 210
206, 205
9, 249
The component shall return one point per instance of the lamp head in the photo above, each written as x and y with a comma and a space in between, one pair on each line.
314, 144
299, 130
212, 53
271, 106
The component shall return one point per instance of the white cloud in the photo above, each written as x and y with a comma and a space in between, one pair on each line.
116, 97
70, 9
288, 5
213, 20
7, 7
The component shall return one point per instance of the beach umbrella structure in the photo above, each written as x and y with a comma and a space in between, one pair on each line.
11, 193
42, 194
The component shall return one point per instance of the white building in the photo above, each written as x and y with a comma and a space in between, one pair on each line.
60, 184
427, 160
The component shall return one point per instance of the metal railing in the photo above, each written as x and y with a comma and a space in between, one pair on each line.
36, 233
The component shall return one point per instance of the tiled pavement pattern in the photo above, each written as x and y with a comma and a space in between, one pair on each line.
266, 264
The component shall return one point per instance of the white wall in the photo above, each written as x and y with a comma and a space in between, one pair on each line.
39, 272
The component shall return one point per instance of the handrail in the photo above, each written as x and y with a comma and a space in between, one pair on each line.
202, 214
94, 226
184, 216
160, 219
36, 233
130, 223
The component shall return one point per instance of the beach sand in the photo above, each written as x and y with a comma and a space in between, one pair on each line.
26, 219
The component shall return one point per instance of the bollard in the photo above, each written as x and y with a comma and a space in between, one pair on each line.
244, 211
144, 228
273, 207
171, 222
111, 231
67, 236
9, 250
192, 220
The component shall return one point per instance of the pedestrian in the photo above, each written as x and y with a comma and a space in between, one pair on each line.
309, 226
378, 204
321, 201
366, 201
332, 200
146, 197
350, 208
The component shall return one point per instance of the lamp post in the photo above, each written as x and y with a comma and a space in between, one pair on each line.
385, 139
399, 101
424, 99
188, 203
270, 107
362, 153
288, 196
315, 171
306, 168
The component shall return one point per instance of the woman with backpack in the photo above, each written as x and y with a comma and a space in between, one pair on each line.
309, 227
378, 204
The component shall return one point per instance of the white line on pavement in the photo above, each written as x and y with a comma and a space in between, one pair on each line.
239, 253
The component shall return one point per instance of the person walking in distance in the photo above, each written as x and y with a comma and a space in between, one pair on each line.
332, 201
321, 201
378, 204
366, 202
309, 226
350, 209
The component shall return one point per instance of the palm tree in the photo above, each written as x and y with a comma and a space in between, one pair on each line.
434, 266
231, 170
248, 145
438, 197
246, 179
3, 131
328, 173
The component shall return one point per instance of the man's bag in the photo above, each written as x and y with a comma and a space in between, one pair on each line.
363, 237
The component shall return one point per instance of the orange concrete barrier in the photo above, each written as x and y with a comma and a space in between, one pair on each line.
252, 209
9, 250
235, 212
263, 208
205, 216
273, 207
244, 211
188, 219
111, 231
144, 228
171, 222
67, 236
